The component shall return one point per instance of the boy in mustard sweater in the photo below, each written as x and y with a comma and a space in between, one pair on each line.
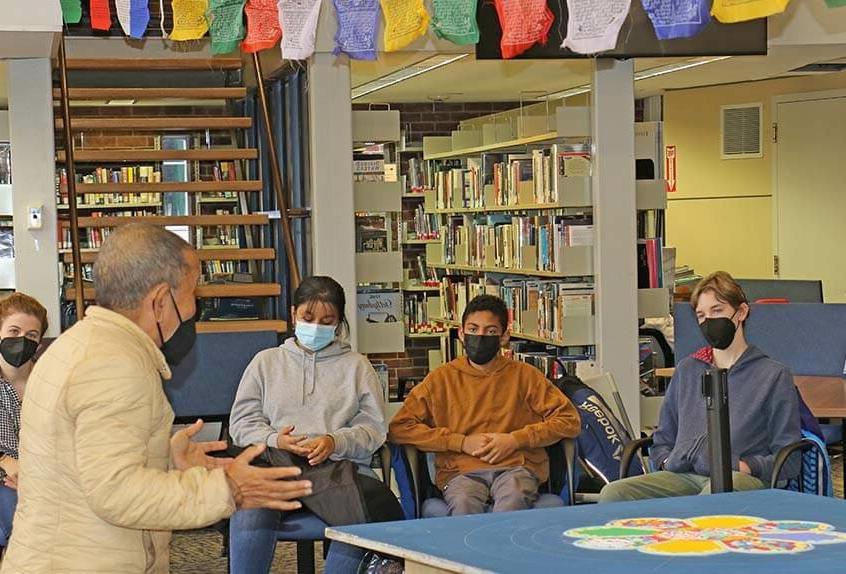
487, 417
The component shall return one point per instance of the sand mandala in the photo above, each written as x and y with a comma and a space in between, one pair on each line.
706, 535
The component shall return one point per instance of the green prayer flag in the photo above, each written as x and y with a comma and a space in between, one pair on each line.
226, 25
455, 20
71, 11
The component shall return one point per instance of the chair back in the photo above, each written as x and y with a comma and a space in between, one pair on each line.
810, 338
205, 382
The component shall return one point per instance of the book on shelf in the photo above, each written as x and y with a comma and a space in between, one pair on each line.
224, 171
417, 318
514, 242
542, 308
539, 308
554, 362
218, 236
92, 238
425, 274
650, 266
508, 179
414, 181
373, 233
228, 309
67, 270
217, 270
422, 226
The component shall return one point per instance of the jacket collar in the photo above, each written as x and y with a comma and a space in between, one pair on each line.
101, 314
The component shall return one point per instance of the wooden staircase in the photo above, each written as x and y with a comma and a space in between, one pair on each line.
251, 257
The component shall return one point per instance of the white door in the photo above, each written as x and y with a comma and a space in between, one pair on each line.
810, 193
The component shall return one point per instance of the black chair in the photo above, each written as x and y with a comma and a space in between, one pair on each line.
428, 500
641, 447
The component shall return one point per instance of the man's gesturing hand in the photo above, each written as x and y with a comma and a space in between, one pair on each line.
254, 487
186, 453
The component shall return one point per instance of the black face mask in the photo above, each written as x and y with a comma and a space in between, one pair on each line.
719, 332
17, 350
481, 349
180, 343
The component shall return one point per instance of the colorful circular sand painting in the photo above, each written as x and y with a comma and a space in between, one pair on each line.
706, 535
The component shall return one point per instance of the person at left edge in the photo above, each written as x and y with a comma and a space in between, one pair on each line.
95, 494
23, 322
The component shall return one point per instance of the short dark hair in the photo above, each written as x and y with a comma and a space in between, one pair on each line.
490, 303
322, 289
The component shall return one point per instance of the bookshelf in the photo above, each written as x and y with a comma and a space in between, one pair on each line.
377, 191
192, 176
517, 213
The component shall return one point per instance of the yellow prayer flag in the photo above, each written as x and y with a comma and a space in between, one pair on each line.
731, 11
405, 21
189, 20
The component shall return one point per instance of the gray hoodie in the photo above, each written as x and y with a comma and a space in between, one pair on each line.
333, 391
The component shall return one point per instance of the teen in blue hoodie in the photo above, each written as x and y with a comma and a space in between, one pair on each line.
763, 407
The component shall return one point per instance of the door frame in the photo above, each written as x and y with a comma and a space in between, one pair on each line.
775, 101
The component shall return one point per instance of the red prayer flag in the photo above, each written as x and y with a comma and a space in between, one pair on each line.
263, 30
524, 23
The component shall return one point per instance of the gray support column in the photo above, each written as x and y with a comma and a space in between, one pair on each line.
31, 133
616, 227
330, 151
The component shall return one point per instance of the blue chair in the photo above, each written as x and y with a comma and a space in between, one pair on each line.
414, 490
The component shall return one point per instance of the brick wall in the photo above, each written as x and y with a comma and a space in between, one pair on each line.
440, 118
134, 139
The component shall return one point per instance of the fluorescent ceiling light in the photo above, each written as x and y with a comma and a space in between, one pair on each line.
642, 75
412, 71
120, 102
669, 69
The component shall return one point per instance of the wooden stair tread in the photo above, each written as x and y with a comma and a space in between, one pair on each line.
153, 93
241, 326
210, 64
127, 155
114, 221
207, 291
223, 254
166, 186
158, 123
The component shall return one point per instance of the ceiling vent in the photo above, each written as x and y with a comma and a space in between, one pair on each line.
741, 131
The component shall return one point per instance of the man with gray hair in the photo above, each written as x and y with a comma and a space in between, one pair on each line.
96, 492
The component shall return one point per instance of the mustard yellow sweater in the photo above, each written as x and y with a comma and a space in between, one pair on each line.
458, 399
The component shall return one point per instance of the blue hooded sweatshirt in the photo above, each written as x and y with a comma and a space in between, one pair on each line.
763, 414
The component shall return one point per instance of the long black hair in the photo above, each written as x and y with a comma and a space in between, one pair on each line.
323, 289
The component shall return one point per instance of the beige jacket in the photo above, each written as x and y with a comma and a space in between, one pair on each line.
94, 492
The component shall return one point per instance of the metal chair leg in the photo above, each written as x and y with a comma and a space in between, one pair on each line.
305, 557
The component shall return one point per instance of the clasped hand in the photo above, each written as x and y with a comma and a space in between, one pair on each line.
316, 450
492, 448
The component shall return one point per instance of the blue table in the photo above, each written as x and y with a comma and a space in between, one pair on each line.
534, 540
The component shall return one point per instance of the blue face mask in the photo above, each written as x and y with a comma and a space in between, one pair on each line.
313, 336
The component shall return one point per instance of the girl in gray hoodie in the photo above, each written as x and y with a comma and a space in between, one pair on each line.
312, 396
